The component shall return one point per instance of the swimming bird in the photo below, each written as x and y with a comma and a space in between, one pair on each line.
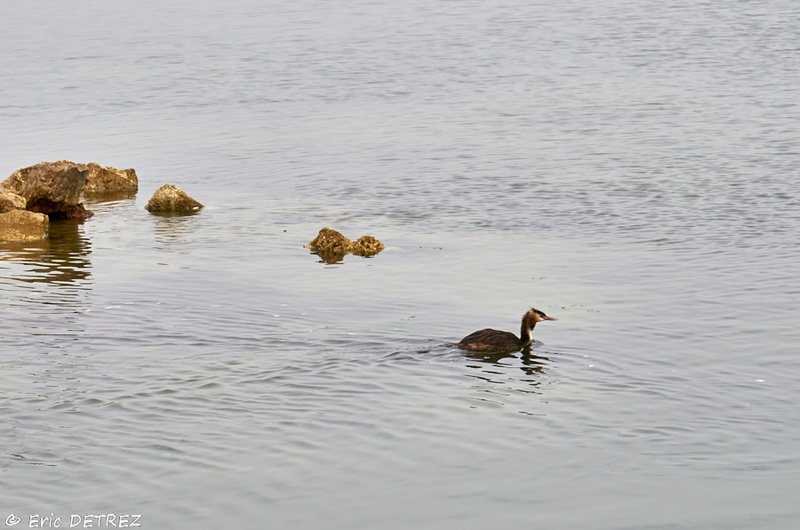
494, 340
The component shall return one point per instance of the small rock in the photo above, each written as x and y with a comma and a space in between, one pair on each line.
110, 182
22, 225
11, 201
330, 245
366, 246
169, 199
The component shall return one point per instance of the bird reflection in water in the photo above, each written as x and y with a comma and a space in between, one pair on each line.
498, 364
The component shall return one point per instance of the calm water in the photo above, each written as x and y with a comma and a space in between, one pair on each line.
627, 168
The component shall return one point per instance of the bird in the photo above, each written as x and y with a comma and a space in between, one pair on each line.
499, 341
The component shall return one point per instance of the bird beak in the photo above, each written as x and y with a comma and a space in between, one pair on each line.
550, 318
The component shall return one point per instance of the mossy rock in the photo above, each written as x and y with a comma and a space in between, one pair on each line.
332, 246
367, 246
330, 241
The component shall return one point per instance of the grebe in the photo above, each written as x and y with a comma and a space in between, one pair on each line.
494, 340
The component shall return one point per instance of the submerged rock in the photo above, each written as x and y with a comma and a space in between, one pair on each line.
170, 199
332, 246
53, 188
108, 181
22, 225
10, 201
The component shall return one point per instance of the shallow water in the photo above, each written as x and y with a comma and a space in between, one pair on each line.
626, 169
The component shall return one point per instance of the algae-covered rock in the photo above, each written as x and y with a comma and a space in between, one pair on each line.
366, 246
332, 246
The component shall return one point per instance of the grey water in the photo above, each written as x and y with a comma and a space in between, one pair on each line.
627, 167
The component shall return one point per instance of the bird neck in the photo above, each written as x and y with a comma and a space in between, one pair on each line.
525, 330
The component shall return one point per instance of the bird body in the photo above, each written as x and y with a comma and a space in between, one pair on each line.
495, 340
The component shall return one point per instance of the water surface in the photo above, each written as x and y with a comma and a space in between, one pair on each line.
626, 169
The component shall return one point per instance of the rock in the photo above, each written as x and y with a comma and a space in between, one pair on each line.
22, 225
330, 241
53, 188
10, 201
366, 246
108, 182
77, 212
169, 199
332, 246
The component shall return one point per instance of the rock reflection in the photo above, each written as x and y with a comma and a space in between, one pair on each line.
498, 367
171, 228
62, 259
329, 258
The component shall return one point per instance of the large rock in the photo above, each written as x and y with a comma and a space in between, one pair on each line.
22, 225
53, 188
11, 201
170, 199
104, 182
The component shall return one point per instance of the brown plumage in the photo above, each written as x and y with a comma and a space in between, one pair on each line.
494, 340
